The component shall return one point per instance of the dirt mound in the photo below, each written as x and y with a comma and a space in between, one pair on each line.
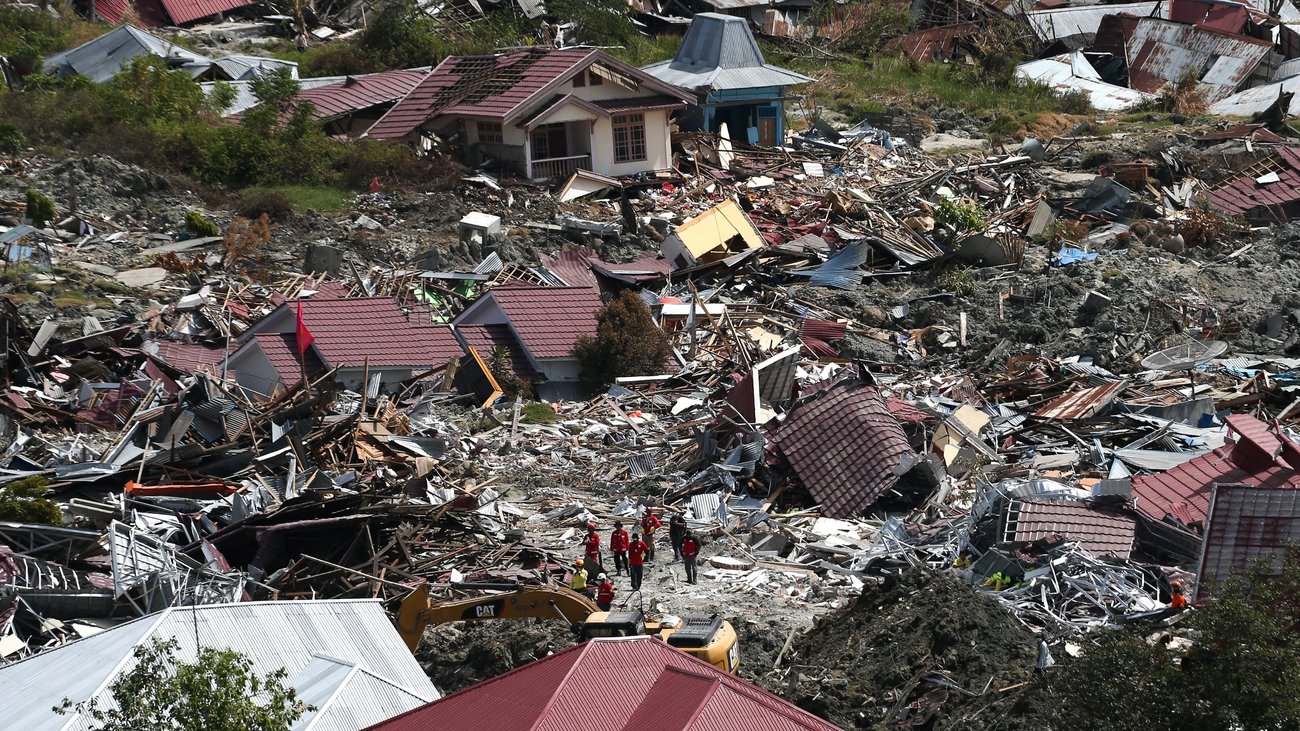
459, 655
923, 650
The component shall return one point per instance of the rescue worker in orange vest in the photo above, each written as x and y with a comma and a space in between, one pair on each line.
636, 553
690, 548
618, 543
649, 524
1179, 600
604, 592
593, 545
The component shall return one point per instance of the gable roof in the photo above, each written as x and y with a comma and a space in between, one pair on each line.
845, 445
485, 338
1102, 532
1184, 491
355, 93
548, 320
658, 687
183, 11
719, 52
504, 87
99, 58
191, 357
285, 634
281, 350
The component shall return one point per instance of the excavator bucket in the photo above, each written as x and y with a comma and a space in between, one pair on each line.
410, 623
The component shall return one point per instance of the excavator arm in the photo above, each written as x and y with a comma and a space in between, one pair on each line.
547, 602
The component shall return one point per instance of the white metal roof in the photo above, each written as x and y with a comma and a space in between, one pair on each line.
1055, 23
98, 59
1073, 71
290, 635
719, 52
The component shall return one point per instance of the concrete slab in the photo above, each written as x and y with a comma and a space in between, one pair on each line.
146, 277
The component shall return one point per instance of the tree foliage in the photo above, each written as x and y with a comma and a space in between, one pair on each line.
40, 209
24, 501
219, 691
1243, 672
627, 343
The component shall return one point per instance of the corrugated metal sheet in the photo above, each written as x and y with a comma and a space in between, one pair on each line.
1161, 51
1073, 71
1056, 23
719, 52
1253, 101
100, 58
635, 684
184, 11
273, 634
1247, 524
1287, 69
1082, 404
238, 67
1101, 532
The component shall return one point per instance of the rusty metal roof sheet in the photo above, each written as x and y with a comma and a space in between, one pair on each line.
1082, 404
1055, 23
1161, 51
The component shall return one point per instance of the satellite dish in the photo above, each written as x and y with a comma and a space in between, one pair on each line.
1186, 356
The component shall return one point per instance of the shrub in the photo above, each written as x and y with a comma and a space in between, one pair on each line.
402, 36
1076, 101
12, 139
24, 501
627, 343
537, 413
598, 21
40, 209
255, 202
199, 226
334, 59
366, 159
960, 217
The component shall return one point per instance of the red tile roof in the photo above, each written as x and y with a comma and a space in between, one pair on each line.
844, 444
1244, 195
1185, 490
615, 684
1101, 532
183, 11
350, 331
1247, 524
355, 94
191, 357
548, 320
483, 86
572, 265
487, 337
281, 350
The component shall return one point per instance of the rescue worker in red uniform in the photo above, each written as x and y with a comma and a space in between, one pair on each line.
618, 543
649, 524
604, 592
690, 549
636, 553
593, 545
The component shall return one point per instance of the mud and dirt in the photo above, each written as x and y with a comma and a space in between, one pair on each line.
458, 655
922, 650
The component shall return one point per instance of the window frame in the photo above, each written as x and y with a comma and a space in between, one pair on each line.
490, 133
633, 133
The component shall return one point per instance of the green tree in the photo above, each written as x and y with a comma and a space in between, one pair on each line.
598, 21
219, 691
24, 501
148, 91
627, 343
39, 208
1243, 672
402, 36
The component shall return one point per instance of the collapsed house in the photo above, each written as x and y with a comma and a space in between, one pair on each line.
541, 113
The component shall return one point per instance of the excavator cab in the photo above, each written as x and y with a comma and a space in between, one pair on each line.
613, 624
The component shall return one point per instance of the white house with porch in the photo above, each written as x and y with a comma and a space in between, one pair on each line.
543, 113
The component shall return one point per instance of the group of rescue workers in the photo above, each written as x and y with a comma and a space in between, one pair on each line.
630, 553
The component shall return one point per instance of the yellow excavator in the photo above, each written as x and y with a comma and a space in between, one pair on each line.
709, 638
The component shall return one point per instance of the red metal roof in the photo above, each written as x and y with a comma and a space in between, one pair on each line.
1185, 490
485, 338
1101, 532
1247, 524
191, 357
183, 11
1244, 195
1227, 17
478, 86
1256, 132
614, 684
147, 13
281, 350
548, 320
572, 265
844, 444
352, 331
357, 93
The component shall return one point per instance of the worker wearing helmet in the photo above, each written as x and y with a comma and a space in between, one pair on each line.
579, 581
1179, 600
618, 543
604, 592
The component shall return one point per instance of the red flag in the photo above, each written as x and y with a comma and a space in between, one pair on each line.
305, 338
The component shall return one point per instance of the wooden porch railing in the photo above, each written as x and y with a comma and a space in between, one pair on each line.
559, 167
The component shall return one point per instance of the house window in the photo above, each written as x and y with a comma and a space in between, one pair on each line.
489, 132
595, 79
580, 79
629, 137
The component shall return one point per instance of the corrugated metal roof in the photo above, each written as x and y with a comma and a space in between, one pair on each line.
238, 67
98, 59
632, 684
1185, 490
1287, 69
356, 93
1082, 404
719, 52
1056, 23
1253, 101
1247, 524
1073, 71
1162, 51
184, 11
1101, 532
273, 635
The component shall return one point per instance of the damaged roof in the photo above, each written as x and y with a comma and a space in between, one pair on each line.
719, 52
1247, 524
548, 320
356, 93
845, 446
1251, 194
658, 687
1184, 491
1163, 51
99, 58
1102, 532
